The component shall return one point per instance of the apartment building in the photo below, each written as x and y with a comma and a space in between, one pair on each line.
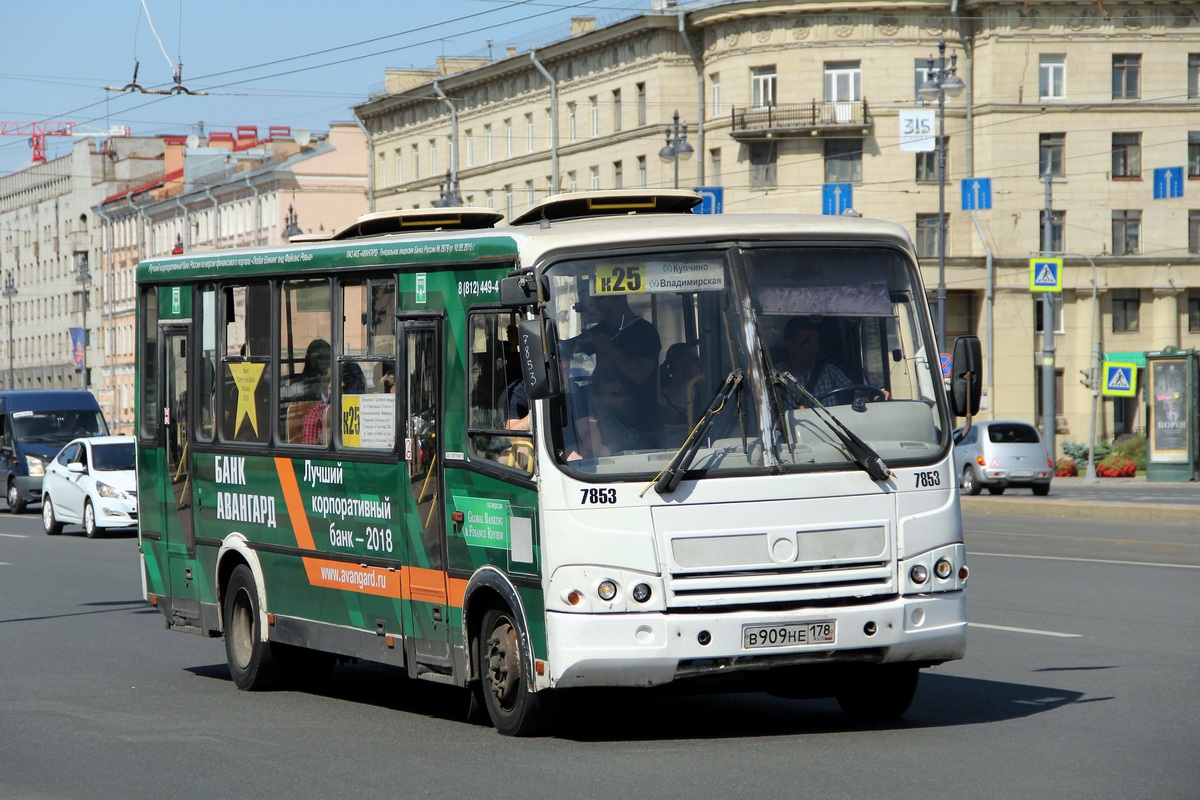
782, 101
247, 187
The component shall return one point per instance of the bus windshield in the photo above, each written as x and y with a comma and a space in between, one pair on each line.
648, 341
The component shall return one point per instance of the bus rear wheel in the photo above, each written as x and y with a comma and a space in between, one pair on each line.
251, 661
511, 704
880, 693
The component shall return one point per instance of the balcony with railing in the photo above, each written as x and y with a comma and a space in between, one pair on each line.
815, 118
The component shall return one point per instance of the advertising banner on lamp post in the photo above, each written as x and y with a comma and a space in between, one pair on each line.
77, 345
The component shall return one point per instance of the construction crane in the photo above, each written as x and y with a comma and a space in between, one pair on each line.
37, 133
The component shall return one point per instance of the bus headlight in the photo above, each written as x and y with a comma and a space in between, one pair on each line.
943, 568
607, 590
641, 592
919, 574
37, 467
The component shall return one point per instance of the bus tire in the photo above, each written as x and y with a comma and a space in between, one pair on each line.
506, 685
16, 503
50, 522
881, 693
251, 660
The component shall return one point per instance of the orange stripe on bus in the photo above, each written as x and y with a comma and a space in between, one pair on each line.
408, 583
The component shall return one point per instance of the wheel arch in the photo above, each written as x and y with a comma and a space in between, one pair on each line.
491, 588
235, 550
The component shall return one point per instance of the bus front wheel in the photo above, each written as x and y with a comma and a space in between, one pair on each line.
879, 693
512, 705
251, 662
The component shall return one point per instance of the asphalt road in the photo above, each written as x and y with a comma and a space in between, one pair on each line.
1079, 681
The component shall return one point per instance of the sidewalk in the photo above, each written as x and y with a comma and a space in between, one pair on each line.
1107, 499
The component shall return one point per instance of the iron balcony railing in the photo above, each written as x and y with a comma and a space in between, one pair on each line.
812, 118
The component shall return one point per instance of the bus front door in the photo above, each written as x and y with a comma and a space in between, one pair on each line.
428, 624
178, 533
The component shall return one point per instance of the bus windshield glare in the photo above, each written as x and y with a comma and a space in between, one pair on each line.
648, 340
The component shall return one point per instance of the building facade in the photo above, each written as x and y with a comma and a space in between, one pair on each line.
232, 189
786, 102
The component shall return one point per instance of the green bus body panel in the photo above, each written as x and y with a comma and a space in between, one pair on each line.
216, 264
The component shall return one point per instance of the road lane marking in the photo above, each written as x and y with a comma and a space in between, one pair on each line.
1024, 630
1100, 540
14, 535
1090, 560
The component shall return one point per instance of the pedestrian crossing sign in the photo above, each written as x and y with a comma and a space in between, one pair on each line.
1045, 274
1120, 379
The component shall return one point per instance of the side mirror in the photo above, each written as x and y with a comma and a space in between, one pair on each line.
537, 346
76, 467
518, 291
966, 381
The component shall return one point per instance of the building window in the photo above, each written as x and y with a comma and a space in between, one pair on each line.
616, 97
530, 193
843, 160
1058, 227
1039, 312
1127, 155
433, 156
1194, 231
843, 81
714, 166
643, 176
1052, 154
572, 181
572, 128
762, 165
469, 146
641, 101
1126, 76
1193, 155
595, 178
489, 198
549, 130
927, 236
416, 159
762, 86
1193, 76
529, 132
618, 175
927, 163
508, 200
922, 75
714, 83
1125, 310
487, 142
1052, 77
381, 178
508, 137
1193, 310
1127, 232
594, 107
399, 162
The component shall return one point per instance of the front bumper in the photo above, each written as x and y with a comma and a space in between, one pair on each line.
116, 513
30, 488
650, 649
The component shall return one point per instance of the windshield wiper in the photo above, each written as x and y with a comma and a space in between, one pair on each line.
861, 452
668, 480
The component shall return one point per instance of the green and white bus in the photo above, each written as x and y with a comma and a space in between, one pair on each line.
572, 450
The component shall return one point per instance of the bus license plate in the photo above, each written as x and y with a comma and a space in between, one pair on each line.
789, 635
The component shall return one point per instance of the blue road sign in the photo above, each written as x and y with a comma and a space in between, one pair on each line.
947, 363
1168, 182
976, 194
1120, 379
836, 198
714, 200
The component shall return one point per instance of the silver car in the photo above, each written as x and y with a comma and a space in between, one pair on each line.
996, 455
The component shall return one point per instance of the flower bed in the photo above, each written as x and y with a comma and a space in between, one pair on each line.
1066, 468
1116, 467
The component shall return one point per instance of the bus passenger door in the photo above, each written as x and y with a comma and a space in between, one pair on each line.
428, 629
179, 537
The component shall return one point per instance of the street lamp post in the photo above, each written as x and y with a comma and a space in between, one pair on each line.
677, 146
942, 81
84, 278
10, 291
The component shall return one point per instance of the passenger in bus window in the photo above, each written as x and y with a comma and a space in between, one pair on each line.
808, 359
316, 428
307, 385
622, 387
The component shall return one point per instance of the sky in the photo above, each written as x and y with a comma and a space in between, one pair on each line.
300, 63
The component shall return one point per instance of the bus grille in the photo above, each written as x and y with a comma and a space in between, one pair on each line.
780, 566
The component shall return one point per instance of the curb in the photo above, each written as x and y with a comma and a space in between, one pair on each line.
1077, 509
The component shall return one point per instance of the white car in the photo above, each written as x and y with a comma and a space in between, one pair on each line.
91, 482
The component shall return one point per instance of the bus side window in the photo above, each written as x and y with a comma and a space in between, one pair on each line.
499, 422
246, 364
367, 364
